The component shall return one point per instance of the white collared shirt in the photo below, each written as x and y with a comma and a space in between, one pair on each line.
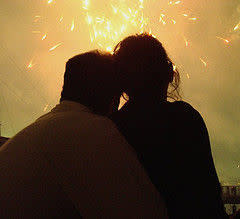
71, 156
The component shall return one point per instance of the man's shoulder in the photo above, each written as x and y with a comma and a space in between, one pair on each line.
81, 122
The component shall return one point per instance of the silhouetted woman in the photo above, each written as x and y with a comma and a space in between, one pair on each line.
170, 138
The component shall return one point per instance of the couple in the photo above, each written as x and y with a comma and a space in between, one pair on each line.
87, 159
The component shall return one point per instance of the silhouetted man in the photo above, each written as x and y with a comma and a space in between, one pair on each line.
72, 161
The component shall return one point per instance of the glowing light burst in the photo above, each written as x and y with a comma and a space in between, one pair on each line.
50, 1
110, 21
122, 18
73, 25
44, 36
45, 108
117, 21
236, 27
54, 47
31, 64
204, 62
224, 40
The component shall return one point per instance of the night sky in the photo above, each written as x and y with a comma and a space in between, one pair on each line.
199, 36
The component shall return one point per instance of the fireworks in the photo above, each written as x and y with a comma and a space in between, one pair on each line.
225, 40
45, 108
204, 62
236, 27
30, 65
54, 47
73, 25
44, 36
121, 18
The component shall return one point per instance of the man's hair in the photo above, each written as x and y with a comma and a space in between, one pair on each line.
90, 80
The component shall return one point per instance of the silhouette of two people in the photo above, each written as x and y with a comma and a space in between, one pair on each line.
85, 158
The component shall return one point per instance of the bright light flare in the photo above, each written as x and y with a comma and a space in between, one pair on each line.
109, 49
31, 64
50, 1
86, 4
54, 47
36, 31
45, 108
204, 62
186, 41
73, 25
36, 18
225, 40
237, 27
44, 37
174, 3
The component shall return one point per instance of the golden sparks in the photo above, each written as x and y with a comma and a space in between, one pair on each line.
73, 25
44, 36
54, 47
204, 62
225, 40
236, 27
186, 41
30, 65
86, 4
36, 31
45, 108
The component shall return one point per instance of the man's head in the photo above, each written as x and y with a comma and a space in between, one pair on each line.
90, 80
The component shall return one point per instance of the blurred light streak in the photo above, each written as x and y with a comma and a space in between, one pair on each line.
45, 108
174, 3
30, 65
237, 27
54, 47
86, 4
37, 17
225, 40
72, 26
44, 37
205, 63
185, 40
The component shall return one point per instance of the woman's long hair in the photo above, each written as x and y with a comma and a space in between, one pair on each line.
142, 57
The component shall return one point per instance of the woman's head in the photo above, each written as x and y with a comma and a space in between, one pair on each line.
145, 68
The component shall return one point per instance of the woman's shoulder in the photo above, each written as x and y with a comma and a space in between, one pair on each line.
182, 105
185, 110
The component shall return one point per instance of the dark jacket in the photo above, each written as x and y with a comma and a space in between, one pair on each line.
172, 143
